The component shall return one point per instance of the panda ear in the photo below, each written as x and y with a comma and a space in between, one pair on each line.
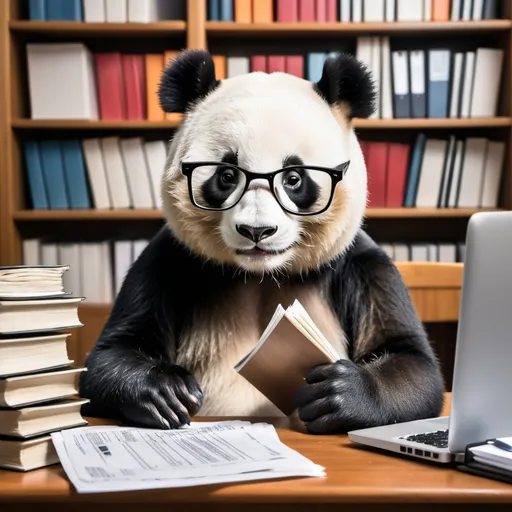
347, 81
187, 79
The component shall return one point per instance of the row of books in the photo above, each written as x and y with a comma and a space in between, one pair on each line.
434, 172
290, 11
109, 86
97, 269
122, 173
38, 381
426, 251
101, 173
111, 11
432, 82
414, 83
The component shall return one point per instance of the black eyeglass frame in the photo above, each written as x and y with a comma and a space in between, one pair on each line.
336, 174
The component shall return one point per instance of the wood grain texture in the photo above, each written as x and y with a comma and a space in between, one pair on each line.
354, 475
98, 30
140, 214
435, 289
363, 124
196, 17
225, 29
10, 244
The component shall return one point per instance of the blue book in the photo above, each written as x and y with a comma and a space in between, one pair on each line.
214, 10
37, 9
315, 65
438, 84
413, 174
226, 10
34, 173
64, 10
74, 173
53, 171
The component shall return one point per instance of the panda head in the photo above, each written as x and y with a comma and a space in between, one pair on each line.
253, 125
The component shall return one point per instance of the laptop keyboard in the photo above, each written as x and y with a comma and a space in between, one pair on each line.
439, 438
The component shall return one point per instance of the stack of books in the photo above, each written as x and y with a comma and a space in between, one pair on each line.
38, 382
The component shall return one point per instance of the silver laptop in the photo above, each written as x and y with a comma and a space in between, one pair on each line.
482, 383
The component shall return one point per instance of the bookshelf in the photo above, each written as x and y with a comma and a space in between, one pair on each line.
17, 221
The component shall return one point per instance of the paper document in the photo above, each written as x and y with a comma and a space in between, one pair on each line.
108, 459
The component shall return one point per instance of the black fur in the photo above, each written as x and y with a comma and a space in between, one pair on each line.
345, 80
393, 374
187, 79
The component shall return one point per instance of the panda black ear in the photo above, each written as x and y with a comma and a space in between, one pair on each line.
187, 79
346, 80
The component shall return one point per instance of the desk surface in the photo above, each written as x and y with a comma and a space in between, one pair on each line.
354, 475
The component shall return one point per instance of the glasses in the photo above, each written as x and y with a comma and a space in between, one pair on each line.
299, 189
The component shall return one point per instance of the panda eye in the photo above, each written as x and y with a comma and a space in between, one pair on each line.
292, 180
228, 177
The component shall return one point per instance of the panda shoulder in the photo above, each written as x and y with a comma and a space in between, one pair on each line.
366, 263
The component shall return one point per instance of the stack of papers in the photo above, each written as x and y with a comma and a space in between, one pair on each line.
109, 459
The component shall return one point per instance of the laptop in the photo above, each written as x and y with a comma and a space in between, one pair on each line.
482, 381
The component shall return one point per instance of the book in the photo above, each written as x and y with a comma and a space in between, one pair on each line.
27, 454
32, 281
289, 347
38, 315
33, 388
26, 354
42, 419
489, 459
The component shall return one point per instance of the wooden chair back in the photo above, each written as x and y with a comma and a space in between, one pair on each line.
435, 288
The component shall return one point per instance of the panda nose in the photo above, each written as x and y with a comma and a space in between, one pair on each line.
256, 233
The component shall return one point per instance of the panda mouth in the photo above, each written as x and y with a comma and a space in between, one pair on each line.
259, 252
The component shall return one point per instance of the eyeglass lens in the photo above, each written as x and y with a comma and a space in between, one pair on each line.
298, 190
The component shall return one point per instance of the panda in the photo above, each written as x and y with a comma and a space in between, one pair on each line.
264, 194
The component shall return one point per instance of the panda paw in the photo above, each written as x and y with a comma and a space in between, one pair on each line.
336, 398
164, 397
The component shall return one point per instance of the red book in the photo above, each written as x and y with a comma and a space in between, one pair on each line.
376, 166
397, 167
321, 10
110, 85
287, 11
332, 14
276, 63
259, 63
135, 86
306, 10
295, 65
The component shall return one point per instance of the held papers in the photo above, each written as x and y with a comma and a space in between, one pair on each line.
109, 459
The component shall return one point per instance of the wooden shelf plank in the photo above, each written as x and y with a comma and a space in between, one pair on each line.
104, 215
440, 123
67, 215
78, 124
404, 213
97, 30
421, 27
474, 122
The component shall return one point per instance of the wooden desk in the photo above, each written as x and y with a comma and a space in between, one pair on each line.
356, 479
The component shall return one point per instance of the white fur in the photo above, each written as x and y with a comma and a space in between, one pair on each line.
263, 118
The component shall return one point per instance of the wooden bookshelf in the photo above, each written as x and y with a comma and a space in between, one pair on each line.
98, 215
98, 30
373, 124
18, 222
65, 124
222, 28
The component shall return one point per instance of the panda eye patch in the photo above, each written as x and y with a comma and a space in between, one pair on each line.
303, 189
218, 186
